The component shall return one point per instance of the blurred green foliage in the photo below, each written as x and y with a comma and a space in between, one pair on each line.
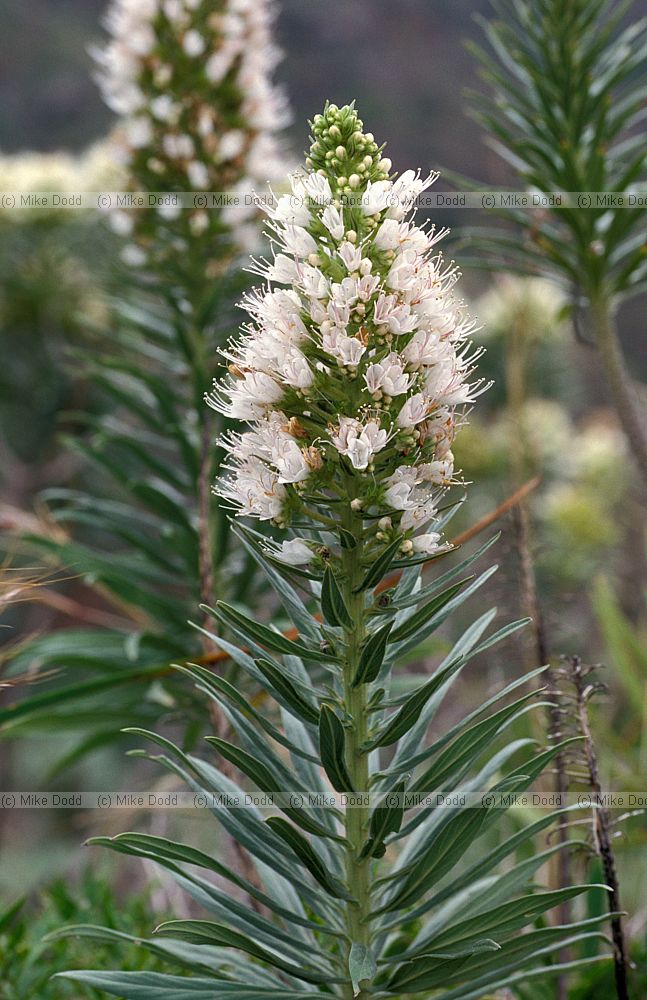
28, 962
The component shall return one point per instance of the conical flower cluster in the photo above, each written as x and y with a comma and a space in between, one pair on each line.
191, 82
355, 368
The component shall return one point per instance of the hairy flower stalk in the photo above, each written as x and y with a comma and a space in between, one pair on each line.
191, 83
354, 371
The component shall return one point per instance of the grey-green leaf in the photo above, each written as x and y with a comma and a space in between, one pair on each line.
332, 747
362, 966
333, 606
372, 656
307, 856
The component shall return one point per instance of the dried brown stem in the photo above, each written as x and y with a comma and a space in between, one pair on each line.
601, 826
530, 601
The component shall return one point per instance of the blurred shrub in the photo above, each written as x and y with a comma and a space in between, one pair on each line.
534, 428
54, 269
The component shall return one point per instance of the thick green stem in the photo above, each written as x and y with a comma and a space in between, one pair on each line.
622, 390
358, 871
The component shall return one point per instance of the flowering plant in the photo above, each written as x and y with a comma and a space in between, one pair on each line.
353, 378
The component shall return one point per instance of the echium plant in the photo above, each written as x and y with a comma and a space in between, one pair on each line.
191, 82
354, 372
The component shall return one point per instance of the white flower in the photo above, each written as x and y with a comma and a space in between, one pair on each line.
174, 10
133, 256
439, 472
256, 490
347, 350
232, 144
178, 147
415, 409
419, 515
388, 376
296, 371
333, 220
298, 241
294, 551
284, 269
121, 223
397, 495
396, 315
199, 222
289, 461
387, 237
313, 282
219, 64
312, 186
193, 43
402, 275
169, 210
426, 544
198, 174
424, 348
351, 255
139, 132
359, 442
250, 396
291, 210
395, 235
406, 189
164, 108
376, 197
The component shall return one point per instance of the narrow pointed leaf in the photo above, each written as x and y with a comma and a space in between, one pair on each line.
308, 857
333, 607
332, 746
263, 635
288, 691
263, 777
423, 616
372, 656
380, 567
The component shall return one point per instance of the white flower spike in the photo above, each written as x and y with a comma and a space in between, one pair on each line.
355, 373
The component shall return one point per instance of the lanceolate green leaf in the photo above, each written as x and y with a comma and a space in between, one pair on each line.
146, 985
362, 966
380, 567
386, 819
255, 632
332, 746
209, 933
408, 715
307, 856
263, 777
372, 656
282, 684
427, 612
333, 607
